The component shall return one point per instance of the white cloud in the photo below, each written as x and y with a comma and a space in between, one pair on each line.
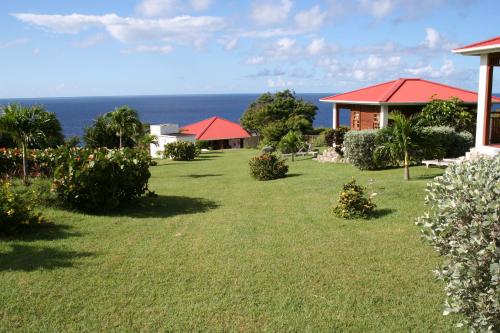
15, 42
254, 61
446, 70
317, 46
231, 44
279, 83
378, 8
152, 8
200, 5
150, 49
269, 13
89, 41
128, 29
311, 19
432, 38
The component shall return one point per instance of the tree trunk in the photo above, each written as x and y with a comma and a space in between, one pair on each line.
293, 157
25, 167
120, 135
407, 166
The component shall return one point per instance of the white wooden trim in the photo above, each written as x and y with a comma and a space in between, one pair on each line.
481, 102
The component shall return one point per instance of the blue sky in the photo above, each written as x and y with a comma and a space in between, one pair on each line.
125, 47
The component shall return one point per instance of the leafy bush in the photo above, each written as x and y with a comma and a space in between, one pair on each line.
41, 163
463, 225
16, 211
100, 179
360, 147
451, 112
180, 151
291, 143
336, 135
268, 166
446, 142
353, 202
201, 144
320, 141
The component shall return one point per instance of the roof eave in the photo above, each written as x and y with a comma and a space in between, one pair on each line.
474, 51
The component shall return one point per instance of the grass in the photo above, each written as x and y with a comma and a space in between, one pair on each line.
219, 251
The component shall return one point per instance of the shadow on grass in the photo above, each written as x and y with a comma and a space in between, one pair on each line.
290, 175
30, 258
378, 213
166, 206
424, 177
44, 232
196, 176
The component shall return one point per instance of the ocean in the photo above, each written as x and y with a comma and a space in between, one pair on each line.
76, 113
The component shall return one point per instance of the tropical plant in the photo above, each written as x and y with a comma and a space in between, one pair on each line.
359, 149
336, 136
180, 151
463, 226
451, 112
353, 203
274, 115
401, 142
268, 166
291, 143
124, 121
30, 127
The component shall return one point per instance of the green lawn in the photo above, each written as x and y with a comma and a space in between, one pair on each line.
219, 251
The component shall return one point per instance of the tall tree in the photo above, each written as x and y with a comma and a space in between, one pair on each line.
125, 122
451, 112
30, 127
274, 115
401, 140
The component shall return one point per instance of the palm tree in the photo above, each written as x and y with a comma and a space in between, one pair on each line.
124, 121
291, 143
402, 140
28, 126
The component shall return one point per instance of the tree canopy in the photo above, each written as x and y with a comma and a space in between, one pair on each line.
451, 112
274, 115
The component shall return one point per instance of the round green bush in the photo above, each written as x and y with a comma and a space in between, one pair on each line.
463, 225
360, 147
101, 179
180, 151
353, 203
268, 166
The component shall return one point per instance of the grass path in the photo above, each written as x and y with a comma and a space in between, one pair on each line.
219, 251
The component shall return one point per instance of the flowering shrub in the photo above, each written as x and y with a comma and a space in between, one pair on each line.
41, 162
268, 166
336, 136
180, 151
353, 202
463, 225
16, 211
100, 179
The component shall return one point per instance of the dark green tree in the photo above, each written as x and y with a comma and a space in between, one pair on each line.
274, 115
451, 112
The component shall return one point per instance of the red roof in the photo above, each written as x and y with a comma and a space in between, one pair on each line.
486, 46
404, 91
216, 128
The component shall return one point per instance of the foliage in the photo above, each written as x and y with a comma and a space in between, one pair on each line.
16, 211
360, 147
268, 166
336, 136
273, 115
463, 226
73, 141
180, 151
31, 127
451, 112
446, 141
402, 141
101, 179
353, 202
202, 144
115, 129
320, 141
41, 162
291, 143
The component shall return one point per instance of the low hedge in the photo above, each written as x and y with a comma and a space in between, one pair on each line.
359, 148
101, 179
41, 162
463, 225
446, 141
180, 151
268, 166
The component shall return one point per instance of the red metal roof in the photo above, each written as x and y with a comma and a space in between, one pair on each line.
480, 47
216, 128
404, 91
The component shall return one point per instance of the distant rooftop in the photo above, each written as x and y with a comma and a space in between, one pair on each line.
486, 46
404, 91
216, 128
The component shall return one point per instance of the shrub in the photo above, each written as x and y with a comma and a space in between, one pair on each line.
360, 147
180, 151
201, 144
446, 142
320, 141
41, 163
336, 136
353, 202
100, 179
268, 166
16, 211
463, 225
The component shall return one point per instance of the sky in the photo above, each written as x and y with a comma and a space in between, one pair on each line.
154, 47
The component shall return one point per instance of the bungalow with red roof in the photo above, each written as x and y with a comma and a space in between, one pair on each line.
370, 107
488, 119
219, 132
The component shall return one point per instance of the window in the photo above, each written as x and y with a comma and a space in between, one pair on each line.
376, 120
356, 123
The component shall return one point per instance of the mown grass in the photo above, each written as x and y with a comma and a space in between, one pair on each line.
219, 251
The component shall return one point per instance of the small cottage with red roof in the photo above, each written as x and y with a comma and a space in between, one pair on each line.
219, 132
370, 107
